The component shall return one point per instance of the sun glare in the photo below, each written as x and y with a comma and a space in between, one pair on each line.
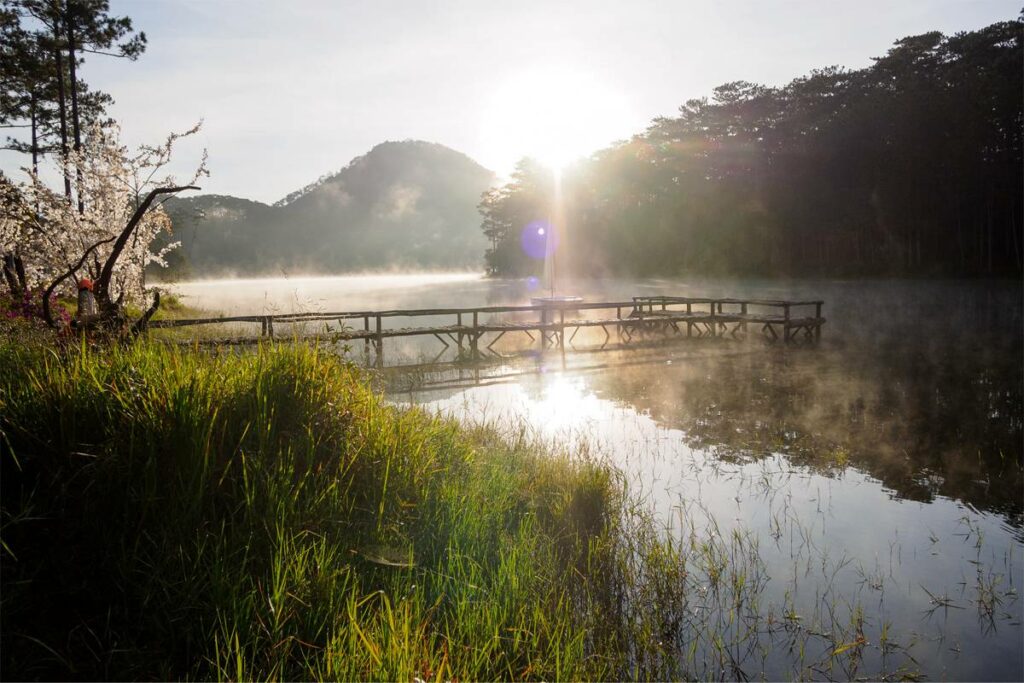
567, 403
555, 115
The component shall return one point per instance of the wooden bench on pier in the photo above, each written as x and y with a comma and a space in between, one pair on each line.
776, 317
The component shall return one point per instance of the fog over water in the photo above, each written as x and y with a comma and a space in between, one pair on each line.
302, 294
879, 471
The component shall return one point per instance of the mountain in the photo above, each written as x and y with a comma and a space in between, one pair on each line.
402, 204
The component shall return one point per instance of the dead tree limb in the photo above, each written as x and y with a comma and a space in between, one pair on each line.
142, 323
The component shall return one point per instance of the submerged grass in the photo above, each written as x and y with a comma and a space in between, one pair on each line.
170, 513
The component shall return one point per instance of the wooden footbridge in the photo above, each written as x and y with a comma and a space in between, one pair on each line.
474, 331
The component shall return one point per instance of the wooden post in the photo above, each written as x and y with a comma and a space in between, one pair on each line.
270, 327
785, 328
263, 326
561, 329
379, 343
474, 337
817, 322
743, 310
366, 340
459, 334
541, 333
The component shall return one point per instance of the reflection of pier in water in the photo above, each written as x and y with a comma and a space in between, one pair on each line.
473, 332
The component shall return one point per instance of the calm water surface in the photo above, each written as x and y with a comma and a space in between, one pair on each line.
880, 473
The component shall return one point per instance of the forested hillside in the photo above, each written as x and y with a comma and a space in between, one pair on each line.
911, 166
403, 204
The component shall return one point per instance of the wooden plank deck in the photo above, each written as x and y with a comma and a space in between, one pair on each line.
464, 328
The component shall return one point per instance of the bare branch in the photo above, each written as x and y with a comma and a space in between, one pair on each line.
103, 282
105, 54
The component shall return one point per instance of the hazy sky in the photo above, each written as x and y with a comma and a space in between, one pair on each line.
292, 89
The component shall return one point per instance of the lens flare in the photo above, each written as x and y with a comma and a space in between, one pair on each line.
538, 240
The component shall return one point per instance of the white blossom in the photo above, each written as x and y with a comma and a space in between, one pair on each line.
51, 232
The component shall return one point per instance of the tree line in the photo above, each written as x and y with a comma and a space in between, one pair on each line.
910, 166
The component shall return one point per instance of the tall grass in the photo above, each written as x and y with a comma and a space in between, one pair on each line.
169, 513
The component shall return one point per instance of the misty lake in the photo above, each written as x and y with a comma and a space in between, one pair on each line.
874, 480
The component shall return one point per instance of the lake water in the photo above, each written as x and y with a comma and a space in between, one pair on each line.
876, 479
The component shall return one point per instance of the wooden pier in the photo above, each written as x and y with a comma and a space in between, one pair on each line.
474, 331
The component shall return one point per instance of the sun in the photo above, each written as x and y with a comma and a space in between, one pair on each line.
552, 114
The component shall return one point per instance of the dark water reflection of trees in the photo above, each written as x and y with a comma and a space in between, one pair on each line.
918, 384
922, 425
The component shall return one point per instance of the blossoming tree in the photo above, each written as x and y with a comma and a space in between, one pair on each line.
108, 235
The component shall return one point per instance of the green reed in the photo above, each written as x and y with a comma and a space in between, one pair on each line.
175, 513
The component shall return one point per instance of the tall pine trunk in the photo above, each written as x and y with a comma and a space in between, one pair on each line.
61, 106
35, 132
75, 124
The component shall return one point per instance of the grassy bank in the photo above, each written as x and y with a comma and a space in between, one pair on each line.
169, 513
